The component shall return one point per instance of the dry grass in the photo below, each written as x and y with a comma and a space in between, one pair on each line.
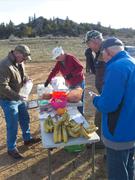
41, 48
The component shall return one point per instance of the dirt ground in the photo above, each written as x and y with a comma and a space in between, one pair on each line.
34, 166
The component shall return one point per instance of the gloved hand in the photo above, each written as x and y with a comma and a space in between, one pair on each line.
68, 76
46, 83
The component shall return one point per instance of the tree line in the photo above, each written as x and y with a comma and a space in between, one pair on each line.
57, 27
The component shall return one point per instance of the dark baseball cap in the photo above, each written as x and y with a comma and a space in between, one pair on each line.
22, 48
112, 41
93, 34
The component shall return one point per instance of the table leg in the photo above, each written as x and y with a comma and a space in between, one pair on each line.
93, 161
49, 165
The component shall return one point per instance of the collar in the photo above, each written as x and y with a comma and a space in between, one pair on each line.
119, 55
12, 57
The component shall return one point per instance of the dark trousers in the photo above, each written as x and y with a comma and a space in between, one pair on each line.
120, 164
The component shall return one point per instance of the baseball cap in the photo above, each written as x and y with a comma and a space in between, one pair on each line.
93, 34
112, 41
22, 48
57, 52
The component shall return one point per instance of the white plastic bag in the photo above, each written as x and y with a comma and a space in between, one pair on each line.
26, 89
58, 83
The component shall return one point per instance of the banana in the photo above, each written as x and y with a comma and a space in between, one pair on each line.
64, 134
84, 133
66, 123
55, 133
64, 120
71, 133
65, 117
50, 123
76, 128
59, 133
72, 123
46, 127
91, 129
60, 122
88, 130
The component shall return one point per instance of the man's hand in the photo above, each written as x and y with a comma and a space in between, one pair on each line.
27, 79
46, 83
92, 94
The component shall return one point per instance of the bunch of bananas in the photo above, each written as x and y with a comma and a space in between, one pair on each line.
67, 127
77, 130
58, 128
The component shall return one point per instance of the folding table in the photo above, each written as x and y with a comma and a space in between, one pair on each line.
48, 143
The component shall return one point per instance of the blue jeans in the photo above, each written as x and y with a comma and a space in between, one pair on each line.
120, 164
15, 111
82, 85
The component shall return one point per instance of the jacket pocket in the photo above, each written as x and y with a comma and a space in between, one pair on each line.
113, 118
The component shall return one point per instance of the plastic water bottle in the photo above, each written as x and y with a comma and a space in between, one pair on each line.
26, 89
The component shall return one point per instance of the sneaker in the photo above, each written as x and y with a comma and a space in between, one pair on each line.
15, 154
32, 141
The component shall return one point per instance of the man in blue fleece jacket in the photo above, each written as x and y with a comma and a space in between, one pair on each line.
117, 104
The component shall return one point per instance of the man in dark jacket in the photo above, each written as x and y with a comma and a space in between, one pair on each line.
12, 78
94, 40
90, 66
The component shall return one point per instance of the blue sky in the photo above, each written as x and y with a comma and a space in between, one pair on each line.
114, 13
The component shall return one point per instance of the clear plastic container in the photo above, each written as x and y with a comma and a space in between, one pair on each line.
26, 89
41, 89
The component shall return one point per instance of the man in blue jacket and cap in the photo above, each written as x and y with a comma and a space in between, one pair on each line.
117, 104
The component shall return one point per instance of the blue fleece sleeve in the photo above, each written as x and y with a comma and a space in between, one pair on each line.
113, 91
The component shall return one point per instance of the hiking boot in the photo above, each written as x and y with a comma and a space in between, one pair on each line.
32, 141
15, 154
